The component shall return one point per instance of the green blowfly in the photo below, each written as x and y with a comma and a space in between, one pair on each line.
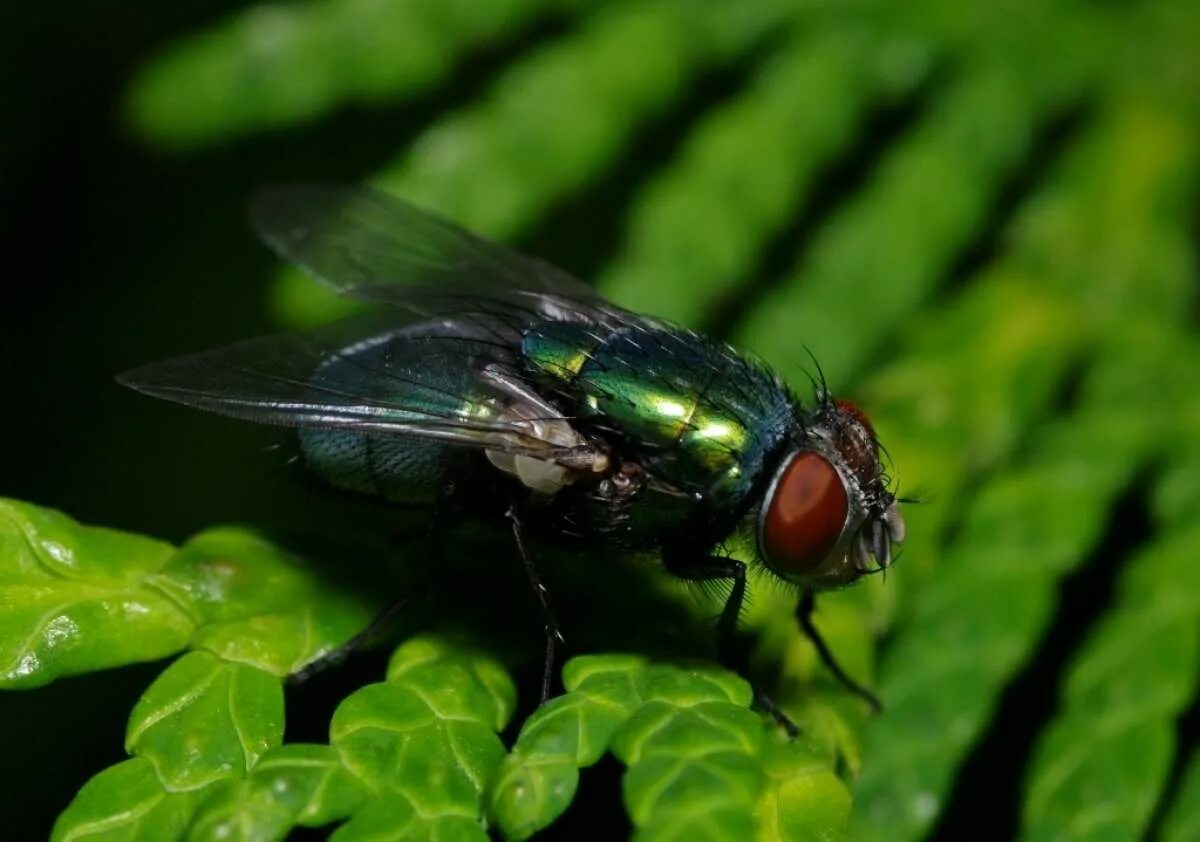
584, 422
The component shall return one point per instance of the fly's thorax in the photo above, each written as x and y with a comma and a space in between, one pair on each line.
827, 510
632, 509
691, 411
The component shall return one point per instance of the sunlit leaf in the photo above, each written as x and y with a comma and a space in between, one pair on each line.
537, 781
205, 719
75, 598
291, 785
424, 742
255, 603
127, 802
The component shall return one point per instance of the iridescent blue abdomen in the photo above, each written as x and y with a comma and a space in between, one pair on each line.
401, 469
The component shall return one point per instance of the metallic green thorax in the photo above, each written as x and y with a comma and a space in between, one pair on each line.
698, 416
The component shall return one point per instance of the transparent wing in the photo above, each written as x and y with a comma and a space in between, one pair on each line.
368, 245
454, 379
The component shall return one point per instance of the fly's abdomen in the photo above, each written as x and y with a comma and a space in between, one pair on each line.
443, 395
402, 469
408, 386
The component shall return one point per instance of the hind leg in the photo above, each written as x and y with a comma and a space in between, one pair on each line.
382, 621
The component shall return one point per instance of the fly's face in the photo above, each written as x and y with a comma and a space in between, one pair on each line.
828, 511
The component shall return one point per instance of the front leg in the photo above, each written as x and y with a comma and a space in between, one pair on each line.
804, 612
707, 569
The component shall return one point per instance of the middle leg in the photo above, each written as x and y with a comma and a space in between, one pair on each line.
554, 637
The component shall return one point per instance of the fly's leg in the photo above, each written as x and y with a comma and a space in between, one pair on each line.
381, 621
554, 636
730, 654
334, 657
804, 612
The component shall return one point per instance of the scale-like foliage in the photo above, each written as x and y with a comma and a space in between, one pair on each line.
1009, 281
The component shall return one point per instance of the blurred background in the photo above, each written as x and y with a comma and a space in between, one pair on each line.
982, 222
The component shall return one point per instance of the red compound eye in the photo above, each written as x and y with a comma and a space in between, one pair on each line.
805, 515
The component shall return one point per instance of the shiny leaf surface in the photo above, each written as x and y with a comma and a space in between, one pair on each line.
206, 719
75, 598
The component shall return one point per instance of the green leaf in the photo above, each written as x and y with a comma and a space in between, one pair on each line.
425, 741
537, 780
291, 63
698, 227
695, 754
803, 800
126, 803
1101, 763
457, 683
894, 243
982, 614
685, 761
205, 720
1183, 818
699, 761
394, 818
257, 604
76, 598
291, 785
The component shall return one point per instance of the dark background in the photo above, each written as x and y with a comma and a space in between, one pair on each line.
117, 253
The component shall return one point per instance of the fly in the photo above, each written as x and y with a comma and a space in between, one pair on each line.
483, 365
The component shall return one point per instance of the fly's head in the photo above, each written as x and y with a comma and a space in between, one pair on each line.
828, 516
